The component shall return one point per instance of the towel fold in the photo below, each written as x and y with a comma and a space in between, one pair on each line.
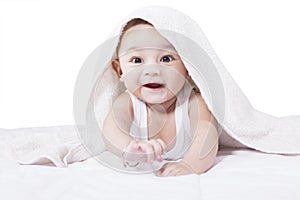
56, 145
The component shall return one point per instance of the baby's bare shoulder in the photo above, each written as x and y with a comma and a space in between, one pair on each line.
122, 105
196, 100
198, 106
123, 97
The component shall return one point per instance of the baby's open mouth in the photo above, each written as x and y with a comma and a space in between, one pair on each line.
153, 85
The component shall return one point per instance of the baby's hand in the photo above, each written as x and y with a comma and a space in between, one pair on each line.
174, 169
145, 151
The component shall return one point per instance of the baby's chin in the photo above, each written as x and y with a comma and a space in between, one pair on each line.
154, 96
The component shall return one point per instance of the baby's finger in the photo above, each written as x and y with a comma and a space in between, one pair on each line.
164, 166
132, 152
132, 146
149, 151
169, 170
157, 149
158, 172
166, 171
162, 144
175, 172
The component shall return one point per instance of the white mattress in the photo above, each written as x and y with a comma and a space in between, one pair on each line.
237, 174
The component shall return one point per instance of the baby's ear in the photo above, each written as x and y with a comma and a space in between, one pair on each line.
188, 76
117, 67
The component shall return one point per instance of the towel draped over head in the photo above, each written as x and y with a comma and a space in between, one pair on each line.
241, 125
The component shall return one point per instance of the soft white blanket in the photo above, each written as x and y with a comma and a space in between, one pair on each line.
241, 124
237, 174
57, 145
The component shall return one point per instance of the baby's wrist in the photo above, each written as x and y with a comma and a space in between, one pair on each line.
127, 163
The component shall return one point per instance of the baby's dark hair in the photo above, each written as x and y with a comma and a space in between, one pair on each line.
133, 22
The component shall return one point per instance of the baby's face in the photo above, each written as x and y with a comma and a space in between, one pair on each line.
149, 65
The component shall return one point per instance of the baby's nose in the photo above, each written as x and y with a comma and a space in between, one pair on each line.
151, 71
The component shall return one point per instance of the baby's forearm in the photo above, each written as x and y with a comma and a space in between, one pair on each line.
202, 153
116, 146
115, 140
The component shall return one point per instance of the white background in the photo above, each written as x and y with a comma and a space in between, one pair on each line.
43, 44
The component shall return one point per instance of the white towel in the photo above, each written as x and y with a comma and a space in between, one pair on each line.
56, 145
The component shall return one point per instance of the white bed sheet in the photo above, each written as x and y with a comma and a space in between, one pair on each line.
237, 174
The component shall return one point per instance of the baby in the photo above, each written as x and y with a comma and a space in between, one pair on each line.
160, 116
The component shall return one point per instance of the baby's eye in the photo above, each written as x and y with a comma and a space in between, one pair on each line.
136, 60
166, 59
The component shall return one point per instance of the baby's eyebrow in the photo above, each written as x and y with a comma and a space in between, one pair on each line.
166, 47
